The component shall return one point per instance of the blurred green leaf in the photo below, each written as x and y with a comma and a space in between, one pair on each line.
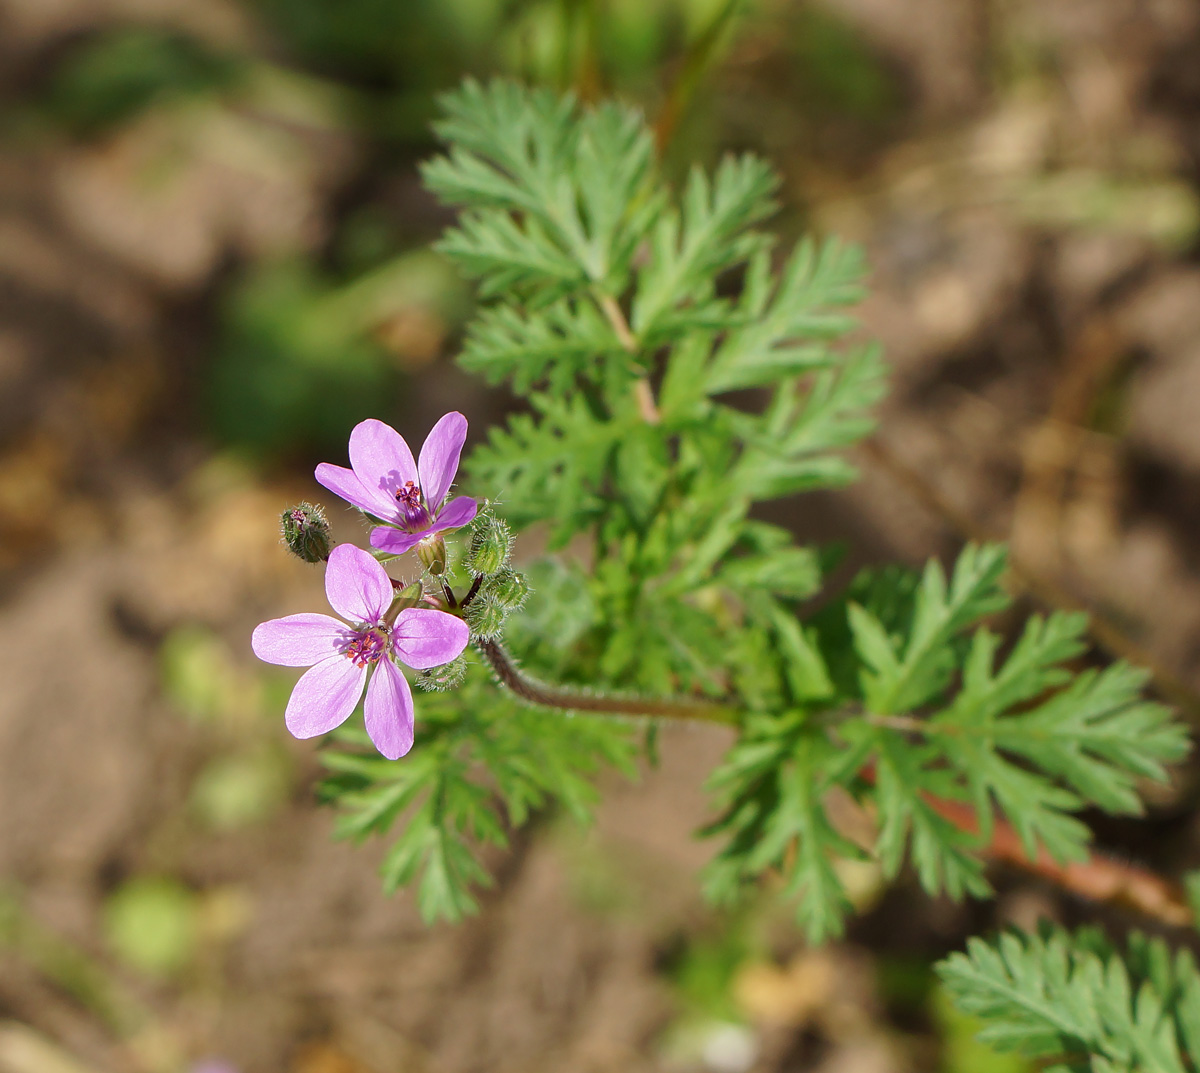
293, 367
113, 76
962, 1050
151, 924
195, 671
237, 791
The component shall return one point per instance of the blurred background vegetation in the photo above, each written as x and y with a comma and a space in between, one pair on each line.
214, 259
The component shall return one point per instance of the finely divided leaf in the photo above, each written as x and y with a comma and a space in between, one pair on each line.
772, 787
556, 345
547, 184
781, 322
1072, 999
903, 675
480, 759
691, 246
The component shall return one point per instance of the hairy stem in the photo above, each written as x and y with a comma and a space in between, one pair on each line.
535, 692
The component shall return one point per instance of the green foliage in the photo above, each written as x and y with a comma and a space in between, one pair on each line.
480, 763
603, 285
290, 368
120, 72
897, 677
151, 924
557, 201
774, 783
962, 1050
677, 370
933, 719
1073, 1001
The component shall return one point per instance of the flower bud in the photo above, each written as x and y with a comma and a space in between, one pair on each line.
491, 545
432, 553
407, 597
444, 678
508, 588
306, 532
485, 616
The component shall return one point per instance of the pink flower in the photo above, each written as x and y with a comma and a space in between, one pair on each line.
407, 496
340, 657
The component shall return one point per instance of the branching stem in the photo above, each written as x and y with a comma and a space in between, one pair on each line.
535, 692
1099, 878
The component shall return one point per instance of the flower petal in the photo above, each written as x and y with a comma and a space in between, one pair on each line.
389, 710
324, 697
393, 541
439, 457
357, 586
459, 511
426, 638
299, 640
381, 460
343, 482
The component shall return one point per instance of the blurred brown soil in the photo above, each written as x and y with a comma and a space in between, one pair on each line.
1037, 290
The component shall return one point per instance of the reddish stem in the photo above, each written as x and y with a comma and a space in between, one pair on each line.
1100, 878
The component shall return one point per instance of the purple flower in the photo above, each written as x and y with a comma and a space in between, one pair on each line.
407, 496
340, 657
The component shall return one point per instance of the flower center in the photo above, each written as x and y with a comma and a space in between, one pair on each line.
409, 500
368, 646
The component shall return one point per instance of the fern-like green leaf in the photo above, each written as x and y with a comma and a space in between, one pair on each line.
689, 248
782, 323
904, 673
555, 345
1071, 999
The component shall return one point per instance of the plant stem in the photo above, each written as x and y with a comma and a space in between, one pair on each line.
699, 57
535, 692
644, 395
472, 592
642, 392
1097, 879
610, 308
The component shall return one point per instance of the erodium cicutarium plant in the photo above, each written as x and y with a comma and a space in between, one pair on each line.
677, 369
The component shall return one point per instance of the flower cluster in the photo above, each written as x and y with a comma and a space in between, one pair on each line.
383, 629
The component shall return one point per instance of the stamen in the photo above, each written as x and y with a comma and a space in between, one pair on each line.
409, 495
368, 646
416, 517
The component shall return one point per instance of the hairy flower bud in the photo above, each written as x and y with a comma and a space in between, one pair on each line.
306, 532
508, 588
491, 545
485, 616
432, 553
444, 678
